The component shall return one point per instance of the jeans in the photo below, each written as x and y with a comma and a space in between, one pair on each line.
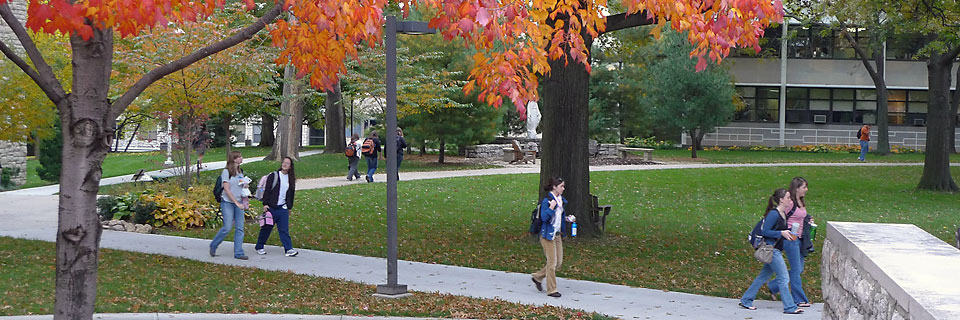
281, 217
371, 167
778, 267
792, 250
353, 162
232, 218
864, 148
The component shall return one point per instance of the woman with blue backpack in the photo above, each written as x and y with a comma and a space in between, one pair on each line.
231, 206
551, 239
277, 199
800, 224
774, 231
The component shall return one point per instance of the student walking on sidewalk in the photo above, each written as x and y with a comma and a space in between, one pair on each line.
231, 206
864, 136
774, 231
353, 157
278, 199
551, 239
371, 152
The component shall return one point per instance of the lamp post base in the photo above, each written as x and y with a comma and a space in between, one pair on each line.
392, 291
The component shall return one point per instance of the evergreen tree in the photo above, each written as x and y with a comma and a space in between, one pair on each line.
49, 156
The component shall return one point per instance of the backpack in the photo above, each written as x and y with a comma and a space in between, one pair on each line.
262, 186
535, 222
218, 189
368, 148
754, 237
351, 150
859, 132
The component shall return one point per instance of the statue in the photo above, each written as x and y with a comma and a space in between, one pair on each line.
533, 119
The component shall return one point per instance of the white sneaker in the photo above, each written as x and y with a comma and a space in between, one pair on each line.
292, 253
261, 251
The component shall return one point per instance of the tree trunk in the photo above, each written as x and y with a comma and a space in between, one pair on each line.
443, 150
936, 165
266, 130
225, 124
883, 121
423, 149
86, 141
565, 111
694, 143
290, 126
954, 104
336, 140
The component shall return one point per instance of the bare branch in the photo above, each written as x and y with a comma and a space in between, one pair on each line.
860, 53
624, 21
156, 74
45, 78
20, 63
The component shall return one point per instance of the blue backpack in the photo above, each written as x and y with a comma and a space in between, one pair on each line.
754, 237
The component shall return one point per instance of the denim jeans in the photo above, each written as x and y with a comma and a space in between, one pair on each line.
371, 167
792, 250
778, 267
232, 218
864, 148
281, 217
352, 163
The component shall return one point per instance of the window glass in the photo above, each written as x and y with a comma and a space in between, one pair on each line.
866, 95
918, 107
896, 106
747, 92
843, 106
817, 93
866, 105
819, 104
918, 96
843, 94
897, 95
796, 93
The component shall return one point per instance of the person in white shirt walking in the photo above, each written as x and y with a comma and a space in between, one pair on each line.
278, 199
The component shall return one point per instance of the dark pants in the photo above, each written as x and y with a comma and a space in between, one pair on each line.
352, 163
281, 218
371, 167
399, 161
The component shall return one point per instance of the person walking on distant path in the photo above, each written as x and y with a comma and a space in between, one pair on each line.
864, 136
551, 239
401, 144
353, 160
371, 152
231, 207
278, 200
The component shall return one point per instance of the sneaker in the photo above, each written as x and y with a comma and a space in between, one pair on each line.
242, 257
291, 253
537, 283
555, 294
261, 251
213, 252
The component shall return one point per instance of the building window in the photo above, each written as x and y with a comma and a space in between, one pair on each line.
866, 106
897, 107
768, 104
749, 110
842, 106
797, 104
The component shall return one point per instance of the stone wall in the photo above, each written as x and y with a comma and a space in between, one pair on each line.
14, 155
19, 9
888, 272
487, 151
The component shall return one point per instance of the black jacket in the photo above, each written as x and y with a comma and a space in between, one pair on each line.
272, 191
806, 244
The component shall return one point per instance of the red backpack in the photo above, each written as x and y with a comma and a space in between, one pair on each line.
368, 147
351, 150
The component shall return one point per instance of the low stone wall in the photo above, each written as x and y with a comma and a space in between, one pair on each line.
14, 155
609, 151
888, 271
486, 151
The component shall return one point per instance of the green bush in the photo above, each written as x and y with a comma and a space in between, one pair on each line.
6, 178
648, 142
49, 156
143, 212
105, 207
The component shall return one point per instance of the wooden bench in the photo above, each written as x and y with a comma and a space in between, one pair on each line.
647, 152
595, 212
523, 155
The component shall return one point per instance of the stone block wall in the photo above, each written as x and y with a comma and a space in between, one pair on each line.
487, 151
14, 155
888, 272
19, 9
609, 151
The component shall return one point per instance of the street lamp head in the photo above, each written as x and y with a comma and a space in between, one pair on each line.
414, 28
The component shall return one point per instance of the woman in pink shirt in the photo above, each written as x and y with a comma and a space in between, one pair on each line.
796, 250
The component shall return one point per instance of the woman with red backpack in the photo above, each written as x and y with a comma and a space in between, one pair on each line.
353, 157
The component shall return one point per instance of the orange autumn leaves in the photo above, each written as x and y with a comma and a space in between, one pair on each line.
514, 39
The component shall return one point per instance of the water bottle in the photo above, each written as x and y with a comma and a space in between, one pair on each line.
573, 229
813, 231
795, 229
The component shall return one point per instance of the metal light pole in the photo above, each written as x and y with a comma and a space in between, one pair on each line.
392, 289
169, 161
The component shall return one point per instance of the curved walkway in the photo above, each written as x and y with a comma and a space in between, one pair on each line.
615, 300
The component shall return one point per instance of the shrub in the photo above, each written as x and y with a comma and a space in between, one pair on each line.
143, 211
49, 156
6, 178
648, 142
180, 212
105, 207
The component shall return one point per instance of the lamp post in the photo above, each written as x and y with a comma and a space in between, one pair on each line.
392, 289
169, 161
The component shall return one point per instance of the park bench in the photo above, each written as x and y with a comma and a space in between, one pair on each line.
599, 213
647, 152
523, 155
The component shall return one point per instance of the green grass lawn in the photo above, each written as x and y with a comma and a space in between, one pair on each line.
678, 230
725, 156
135, 282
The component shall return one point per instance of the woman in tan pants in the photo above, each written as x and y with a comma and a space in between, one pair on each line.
551, 239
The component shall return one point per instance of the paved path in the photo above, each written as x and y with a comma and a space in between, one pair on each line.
615, 300
211, 316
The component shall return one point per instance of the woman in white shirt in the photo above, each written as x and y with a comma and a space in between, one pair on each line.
278, 199
551, 213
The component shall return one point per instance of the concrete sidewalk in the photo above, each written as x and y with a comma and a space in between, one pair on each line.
211, 316
614, 300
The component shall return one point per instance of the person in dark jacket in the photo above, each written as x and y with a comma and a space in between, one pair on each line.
373, 157
551, 213
797, 250
278, 200
401, 144
774, 232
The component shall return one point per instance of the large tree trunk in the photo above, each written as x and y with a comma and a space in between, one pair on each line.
443, 150
267, 139
696, 140
336, 140
290, 128
225, 124
883, 121
936, 165
86, 141
565, 111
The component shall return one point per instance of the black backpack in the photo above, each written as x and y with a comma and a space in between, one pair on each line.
218, 189
859, 132
535, 222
